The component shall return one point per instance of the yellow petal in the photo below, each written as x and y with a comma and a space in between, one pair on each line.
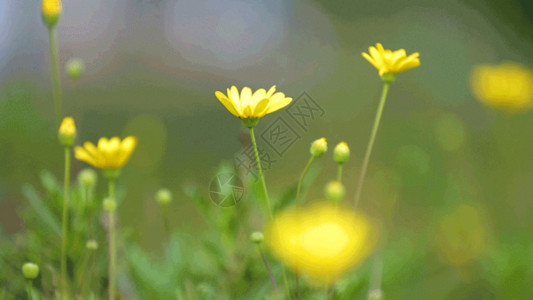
271, 91
277, 102
81, 154
261, 108
246, 97
227, 103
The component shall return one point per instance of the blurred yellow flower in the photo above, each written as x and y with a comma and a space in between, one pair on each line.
51, 9
462, 236
109, 154
67, 131
508, 86
250, 105
322, 241
390, 62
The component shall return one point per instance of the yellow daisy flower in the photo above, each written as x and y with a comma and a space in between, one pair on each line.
390, 62
108, 154
323, 241
51, 9
248, 105
508, 86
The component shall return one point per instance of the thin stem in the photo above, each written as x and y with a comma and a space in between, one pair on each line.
29, 288
56, 81
166, 222
112, 246
260, 169
339, 173
64, 235
267, 266
300, 182
371, 142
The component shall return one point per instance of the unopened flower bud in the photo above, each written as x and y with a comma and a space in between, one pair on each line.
163, 196
51, 10
75, 68
341, 153
335, 191
109, 205
30, 270
91, 245
257, 237
319, 147
67, 132
87, 177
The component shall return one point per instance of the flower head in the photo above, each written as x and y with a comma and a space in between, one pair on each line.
390, 62
248, 105
51, 10
508, 86
341, 153
322, 241
75, 68
319, 147
67, 131
108, 154
30, 270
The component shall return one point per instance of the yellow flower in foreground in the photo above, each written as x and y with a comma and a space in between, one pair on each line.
51, 9
322, 241
508, 86
391, 62
248, 105
109, 154
67, 132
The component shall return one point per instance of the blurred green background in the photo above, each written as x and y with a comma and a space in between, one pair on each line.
450, 180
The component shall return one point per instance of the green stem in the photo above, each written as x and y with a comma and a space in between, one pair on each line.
271, 214
112, 246
339, 173
260, 169
371, 142
56, 81
300, 182
267, 266
29, 288
166, 223
64, 235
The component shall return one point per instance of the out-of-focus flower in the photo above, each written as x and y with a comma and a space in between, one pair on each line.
341, 153
87, 177
319, 147
91, 245
51, 10
30, 270
322, 241
252, 106
163, 196
335, 191
257, 237
109, 154
462, 235
74, 68
508, 86
390, 62
67, 132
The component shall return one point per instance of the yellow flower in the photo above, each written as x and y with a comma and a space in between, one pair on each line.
250, 105
51, 9
508, 86
67, 132
391, 62
322, 241
109, 154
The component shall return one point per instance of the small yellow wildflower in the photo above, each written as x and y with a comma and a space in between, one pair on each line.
507, 86
51, 10
391, 62
322, 241
341, 153
252, 106
109, 154
67, 132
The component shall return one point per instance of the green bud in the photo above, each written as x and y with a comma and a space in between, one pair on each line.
163, 196
91, 245
87, 177
109, 205
319, 147
257, 237
335, 191
75, 68
341, 153
30, 270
